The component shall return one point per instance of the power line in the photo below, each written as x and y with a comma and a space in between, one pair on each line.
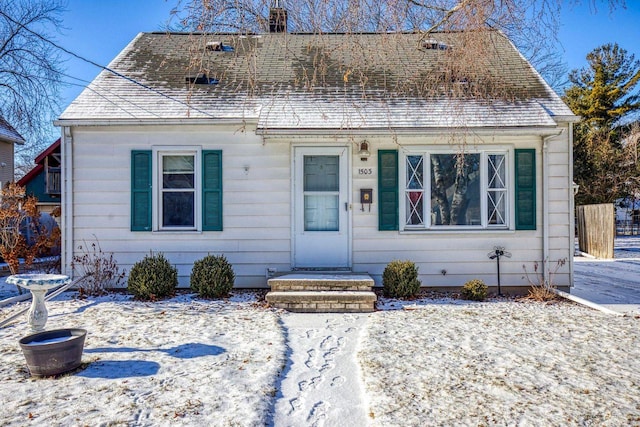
114, 72
96, 91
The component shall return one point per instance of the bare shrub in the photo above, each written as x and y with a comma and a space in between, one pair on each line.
542, 289
99, 269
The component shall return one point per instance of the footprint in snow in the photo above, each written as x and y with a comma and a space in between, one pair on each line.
295, 405
312, 383
311, 355
338, 381
327, 343
327, 367
318, 414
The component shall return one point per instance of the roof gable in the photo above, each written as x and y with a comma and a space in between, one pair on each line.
39, 160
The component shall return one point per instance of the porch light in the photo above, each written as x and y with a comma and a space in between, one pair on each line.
364, 151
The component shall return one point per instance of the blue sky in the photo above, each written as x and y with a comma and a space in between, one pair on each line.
99, 29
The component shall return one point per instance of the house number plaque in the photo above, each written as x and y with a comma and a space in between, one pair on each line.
365, 171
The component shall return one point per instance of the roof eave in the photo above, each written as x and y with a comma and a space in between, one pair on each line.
11, 140
49, 150
567, 119
30, 175
154, 121
511, 130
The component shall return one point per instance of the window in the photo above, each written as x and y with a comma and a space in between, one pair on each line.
176, 190
455, 190
177, 200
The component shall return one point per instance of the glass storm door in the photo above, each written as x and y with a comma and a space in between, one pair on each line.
321, 232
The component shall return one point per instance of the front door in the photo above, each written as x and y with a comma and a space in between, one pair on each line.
321, 207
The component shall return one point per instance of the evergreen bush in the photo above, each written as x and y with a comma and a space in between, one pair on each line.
212, 277
152, 278
474, 290
400, 279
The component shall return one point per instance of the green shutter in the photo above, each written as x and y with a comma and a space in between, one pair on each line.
525, 189
141, 190
388, 189
212, 190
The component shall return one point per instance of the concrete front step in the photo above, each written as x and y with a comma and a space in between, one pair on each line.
323, 301
321, 282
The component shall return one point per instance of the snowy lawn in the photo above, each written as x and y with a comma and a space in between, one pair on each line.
180, 362
501, 363
187, 361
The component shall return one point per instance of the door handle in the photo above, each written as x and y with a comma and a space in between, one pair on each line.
346, 206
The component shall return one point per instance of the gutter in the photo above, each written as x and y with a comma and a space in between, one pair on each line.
151, 122
542, 131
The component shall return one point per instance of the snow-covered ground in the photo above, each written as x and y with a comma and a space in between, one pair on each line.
615, 283
187, 361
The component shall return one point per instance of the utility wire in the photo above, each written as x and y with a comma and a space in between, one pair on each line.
96, 91
114, 72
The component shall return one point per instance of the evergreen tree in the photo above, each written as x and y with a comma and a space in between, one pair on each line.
604, 93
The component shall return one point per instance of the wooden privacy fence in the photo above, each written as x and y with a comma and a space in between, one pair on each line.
596, 229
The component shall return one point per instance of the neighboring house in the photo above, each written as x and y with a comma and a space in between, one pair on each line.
628, 216
43, 181
254, 156
8, 137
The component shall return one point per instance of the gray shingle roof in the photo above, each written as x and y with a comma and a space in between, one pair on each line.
9, 134
293, 81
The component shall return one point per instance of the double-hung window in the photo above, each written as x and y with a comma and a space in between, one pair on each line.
176, 189
177, 202
455, 190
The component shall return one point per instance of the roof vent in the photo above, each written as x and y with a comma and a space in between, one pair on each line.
201, 79
432, 44
277, 20
217, 46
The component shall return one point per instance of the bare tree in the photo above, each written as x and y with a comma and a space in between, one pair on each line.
29, 70
467, 59
532, 25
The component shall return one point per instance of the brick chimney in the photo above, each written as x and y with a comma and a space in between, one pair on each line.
277, 19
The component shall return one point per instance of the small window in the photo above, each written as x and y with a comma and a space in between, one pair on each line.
497, 189
201, 79
178, 191
432, 44
217, 46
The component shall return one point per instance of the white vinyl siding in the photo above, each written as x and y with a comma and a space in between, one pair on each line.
257, 233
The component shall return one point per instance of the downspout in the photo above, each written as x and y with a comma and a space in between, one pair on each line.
66, 151
572, 207
545, 204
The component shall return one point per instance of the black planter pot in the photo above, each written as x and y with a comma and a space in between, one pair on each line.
53, 352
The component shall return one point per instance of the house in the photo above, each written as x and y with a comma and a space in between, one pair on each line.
272, 150
8, 137
43, 180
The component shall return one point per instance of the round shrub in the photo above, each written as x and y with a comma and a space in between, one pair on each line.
400, 279
212, 277
152, 278
474, 290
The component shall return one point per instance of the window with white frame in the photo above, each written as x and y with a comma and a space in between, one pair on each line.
450, 190
177, 199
